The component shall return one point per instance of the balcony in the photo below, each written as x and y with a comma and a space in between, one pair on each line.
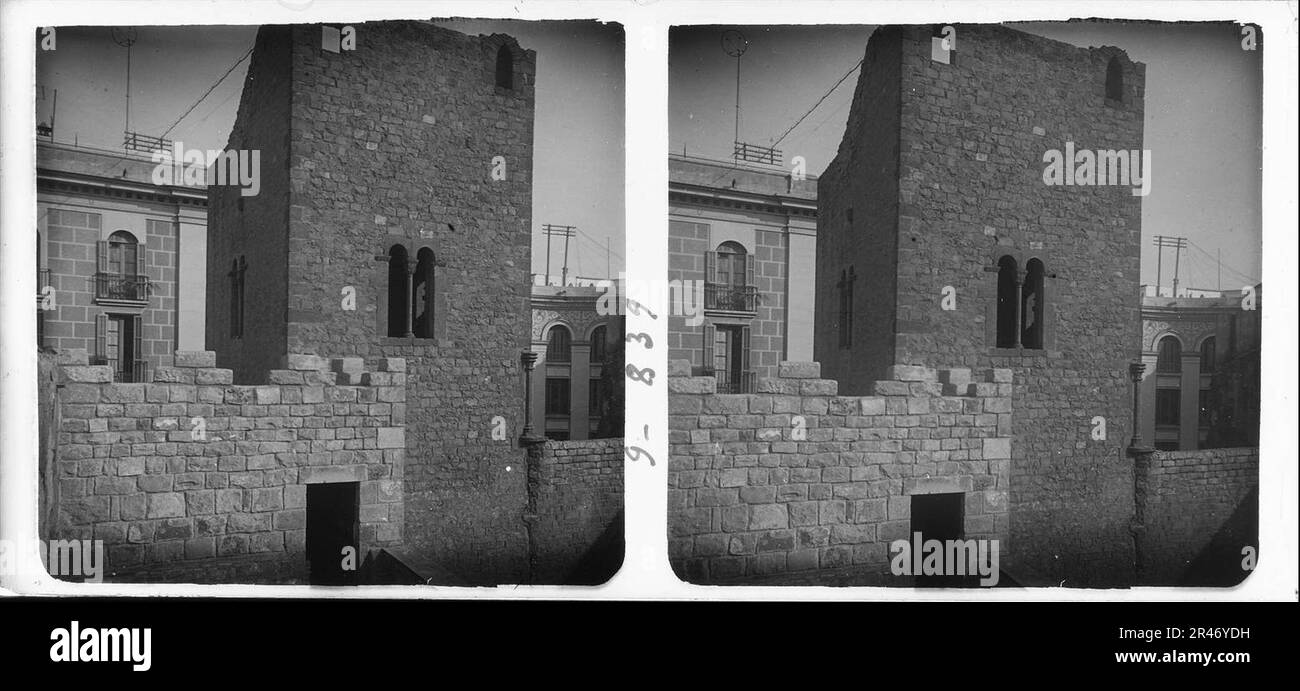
730, 298
125, 289
733, 381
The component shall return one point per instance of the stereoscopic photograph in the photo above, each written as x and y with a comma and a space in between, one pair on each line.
317, 303
980, 304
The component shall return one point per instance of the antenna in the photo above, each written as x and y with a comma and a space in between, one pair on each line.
735, 44
125, 36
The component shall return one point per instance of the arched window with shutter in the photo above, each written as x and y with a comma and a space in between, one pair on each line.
120, 267
422, 294
558, 343
1008, 320
1169, 357
1207, 355
598, 345
1033, 299
399, 292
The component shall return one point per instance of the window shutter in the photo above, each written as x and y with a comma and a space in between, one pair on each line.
137, 348
101, 336
711, 267
141, 267
710, 333
749, 270
101, 256
744, 350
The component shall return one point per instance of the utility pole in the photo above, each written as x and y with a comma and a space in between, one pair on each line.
1161, 242
566, 232
607, 258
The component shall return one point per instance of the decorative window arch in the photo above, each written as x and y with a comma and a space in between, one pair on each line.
599, 347
422, 294
505, 68
124, 254
1114, 80
1208, 355
1169, 355
1008, 319
1032, 301
558, 344
399, 292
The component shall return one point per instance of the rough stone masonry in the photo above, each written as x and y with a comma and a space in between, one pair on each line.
194, 478
799, 479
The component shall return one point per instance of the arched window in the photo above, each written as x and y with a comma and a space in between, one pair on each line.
598, 344
557, 344
505, 68
731, 264
1007, 302
1207, 355
1114, 80
1170, 356
398, 293
422, 294
122, 254
1031, 333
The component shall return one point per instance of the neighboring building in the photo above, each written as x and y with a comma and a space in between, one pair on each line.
573, 343
120, 259
940, 245
1200, 388
378, 182
746, 234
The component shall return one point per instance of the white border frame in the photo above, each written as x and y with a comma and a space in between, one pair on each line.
646, 573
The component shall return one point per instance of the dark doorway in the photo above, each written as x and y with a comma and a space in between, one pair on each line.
332, 518
940, 517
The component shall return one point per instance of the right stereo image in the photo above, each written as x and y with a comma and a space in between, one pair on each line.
977, 305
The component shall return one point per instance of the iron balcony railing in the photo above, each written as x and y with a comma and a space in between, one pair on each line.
733, 382
130, 287
719, 296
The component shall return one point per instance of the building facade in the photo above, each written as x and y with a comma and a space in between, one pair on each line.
120, 259
392, 223
742, 242
574, 343
941, 245
1200, 386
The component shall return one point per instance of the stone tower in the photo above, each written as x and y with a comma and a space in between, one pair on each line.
957, 253
393, 220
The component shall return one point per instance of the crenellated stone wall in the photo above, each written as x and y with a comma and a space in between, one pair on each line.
796, 478
194, 478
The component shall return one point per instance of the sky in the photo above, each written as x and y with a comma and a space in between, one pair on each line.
578, 129
1202, 124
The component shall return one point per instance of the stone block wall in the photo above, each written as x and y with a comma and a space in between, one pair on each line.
575, 516
194, 478
798, 478
1196, 511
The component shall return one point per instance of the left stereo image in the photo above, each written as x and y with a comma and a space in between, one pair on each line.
321, 304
